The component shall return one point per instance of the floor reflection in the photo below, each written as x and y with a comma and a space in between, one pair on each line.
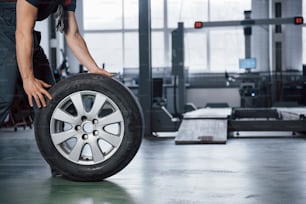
69, 192
60, 190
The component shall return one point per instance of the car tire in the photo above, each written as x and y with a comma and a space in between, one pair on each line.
91, 129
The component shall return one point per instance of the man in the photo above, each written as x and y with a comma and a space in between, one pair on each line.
33, 66
27, 12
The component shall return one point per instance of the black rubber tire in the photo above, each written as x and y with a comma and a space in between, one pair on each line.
131, 140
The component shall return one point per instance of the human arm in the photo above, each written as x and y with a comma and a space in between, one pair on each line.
78, 46
25, 21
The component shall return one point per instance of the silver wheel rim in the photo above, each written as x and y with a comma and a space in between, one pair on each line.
87, 127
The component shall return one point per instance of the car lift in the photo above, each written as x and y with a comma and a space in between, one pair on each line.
212, 125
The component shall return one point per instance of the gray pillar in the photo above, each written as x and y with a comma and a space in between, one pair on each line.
247, 35
260, 36
145, 69
293, 52
290, 36
178, 68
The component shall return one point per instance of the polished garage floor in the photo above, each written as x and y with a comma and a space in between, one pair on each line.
242, 171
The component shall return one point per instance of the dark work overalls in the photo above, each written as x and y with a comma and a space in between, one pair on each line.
9, 74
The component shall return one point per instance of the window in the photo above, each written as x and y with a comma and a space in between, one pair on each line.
210, 50
227, 46
102, 14
187, 11
196, 52
131, 55
111, 32
157, 13
106, 48
130, 14
228, 9
158, 50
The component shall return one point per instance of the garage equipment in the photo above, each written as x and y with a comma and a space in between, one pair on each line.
213, 125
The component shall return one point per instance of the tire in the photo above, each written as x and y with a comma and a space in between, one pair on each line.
91, 129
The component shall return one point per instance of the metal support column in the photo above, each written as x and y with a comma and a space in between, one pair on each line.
145, 70
247, 35
178, 69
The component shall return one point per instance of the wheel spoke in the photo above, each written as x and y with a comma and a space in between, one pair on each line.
115, 117
76, 151
111, 139
65, 117
96, 152
98, 103
78, 103
61, 137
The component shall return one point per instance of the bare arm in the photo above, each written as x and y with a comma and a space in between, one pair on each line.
34, 88
79, 47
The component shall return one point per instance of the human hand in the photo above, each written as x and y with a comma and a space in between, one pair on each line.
36, 89
101, 71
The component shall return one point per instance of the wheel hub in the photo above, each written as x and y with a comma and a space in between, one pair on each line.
81, 134
88, 127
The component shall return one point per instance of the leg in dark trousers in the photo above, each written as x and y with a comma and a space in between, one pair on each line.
8, 64
8, 75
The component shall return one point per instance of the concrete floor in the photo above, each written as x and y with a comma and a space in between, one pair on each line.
242, 171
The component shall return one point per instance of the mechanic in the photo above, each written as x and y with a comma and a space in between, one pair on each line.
34, 69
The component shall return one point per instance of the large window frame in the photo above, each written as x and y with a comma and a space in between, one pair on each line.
162, 26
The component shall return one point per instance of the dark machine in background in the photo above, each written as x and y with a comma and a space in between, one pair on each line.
304, 86
272, 90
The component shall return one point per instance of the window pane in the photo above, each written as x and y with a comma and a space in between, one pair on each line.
131, 51
158, 49
187, 11
106, 48
196, 51
102, 14
131, 14
157, 13
228, 9
227, 46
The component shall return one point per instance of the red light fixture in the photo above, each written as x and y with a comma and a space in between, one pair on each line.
198, 24
298, 20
